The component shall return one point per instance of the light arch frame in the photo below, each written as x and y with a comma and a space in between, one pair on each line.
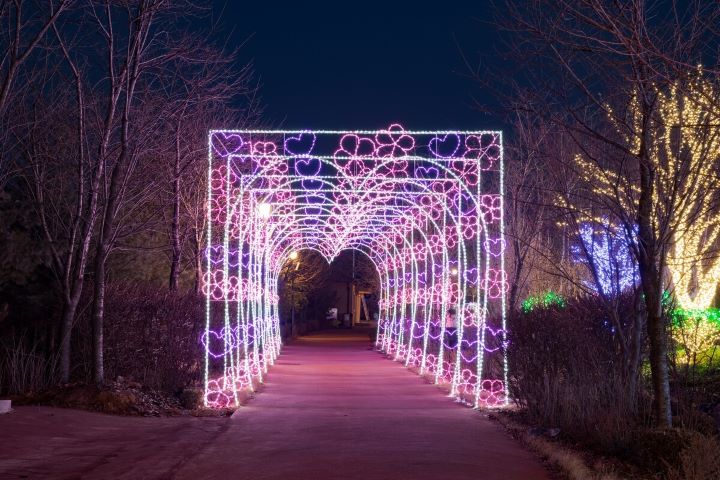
425, 206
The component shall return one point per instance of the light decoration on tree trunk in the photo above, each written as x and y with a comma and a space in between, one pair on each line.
426, 207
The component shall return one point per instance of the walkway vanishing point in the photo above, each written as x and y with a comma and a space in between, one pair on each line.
332, 408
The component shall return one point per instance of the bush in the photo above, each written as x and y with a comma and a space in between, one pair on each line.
24, 367
699, 460
153, 337
567, 372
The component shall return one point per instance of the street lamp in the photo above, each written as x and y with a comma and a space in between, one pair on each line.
454, 272
264, 210
293, 255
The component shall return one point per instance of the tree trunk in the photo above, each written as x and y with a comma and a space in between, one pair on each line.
68, 318
198, 271
515, 282
175, 230
70, 305
98, 317
636, 343
657, 335
651, 280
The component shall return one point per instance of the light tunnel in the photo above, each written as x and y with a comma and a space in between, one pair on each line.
425, 207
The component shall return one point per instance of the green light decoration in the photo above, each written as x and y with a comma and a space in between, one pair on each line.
709, 315
695, 330
680, 315
543, 300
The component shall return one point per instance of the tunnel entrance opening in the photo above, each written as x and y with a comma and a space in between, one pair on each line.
425, 208
313, 295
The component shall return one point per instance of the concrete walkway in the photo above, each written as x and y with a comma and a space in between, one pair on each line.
331, 409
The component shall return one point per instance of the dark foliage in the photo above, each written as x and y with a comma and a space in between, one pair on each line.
153, 336
567, 372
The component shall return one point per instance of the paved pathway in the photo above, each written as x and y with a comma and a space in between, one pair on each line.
331, 409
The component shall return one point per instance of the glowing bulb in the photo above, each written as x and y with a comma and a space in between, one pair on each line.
264, 210
454, 272
293, 255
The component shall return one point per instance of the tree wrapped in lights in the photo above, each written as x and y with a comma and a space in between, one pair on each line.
696, 332
606, 252
691, 142
652, 168
426, 208
684, 147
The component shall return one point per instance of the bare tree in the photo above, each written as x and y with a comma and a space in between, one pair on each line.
23, 27
65, 174
179, 65
527, 192
144, 31
20, 36
204, 97
94, 151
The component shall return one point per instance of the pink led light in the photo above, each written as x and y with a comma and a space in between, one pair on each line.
412, 202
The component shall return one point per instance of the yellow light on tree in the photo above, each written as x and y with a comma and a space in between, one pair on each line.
684, 145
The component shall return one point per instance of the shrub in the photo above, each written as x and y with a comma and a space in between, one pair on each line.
699, 460
567, 371
153, 336
25, 368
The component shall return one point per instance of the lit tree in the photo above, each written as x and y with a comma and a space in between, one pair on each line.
684, 147
606, 251
691, 141
590, 60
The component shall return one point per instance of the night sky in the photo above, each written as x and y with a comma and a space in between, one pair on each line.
350, 65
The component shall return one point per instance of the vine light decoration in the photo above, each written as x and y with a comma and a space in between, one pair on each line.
425, 207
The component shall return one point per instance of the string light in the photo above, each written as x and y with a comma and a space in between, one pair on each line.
606, 252
684, 147
425, 207
264, 210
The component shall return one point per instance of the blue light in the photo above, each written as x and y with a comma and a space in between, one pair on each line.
605, 249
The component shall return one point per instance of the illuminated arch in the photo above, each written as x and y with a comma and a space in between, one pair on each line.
425, 207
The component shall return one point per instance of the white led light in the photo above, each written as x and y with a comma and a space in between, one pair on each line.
264, 210
424, 207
